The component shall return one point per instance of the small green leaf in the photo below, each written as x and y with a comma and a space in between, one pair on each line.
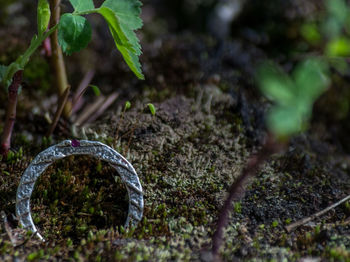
293, 109
276, 85
152, 109
284, 122
338, 47
311, 79
43, 16
310, 32
96, 90
82, 5
127, 105
74, 33
332, 28
337, 9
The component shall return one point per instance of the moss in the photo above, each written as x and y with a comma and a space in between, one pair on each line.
186, 157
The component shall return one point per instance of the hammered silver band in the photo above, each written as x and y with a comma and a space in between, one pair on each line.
74, 147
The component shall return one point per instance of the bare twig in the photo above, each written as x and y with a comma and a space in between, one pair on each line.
305, 220
81, 90
57, 56
11, 112
238, 187
107, 103
88, 111
60, 106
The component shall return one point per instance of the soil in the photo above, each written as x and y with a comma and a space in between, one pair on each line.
209, 120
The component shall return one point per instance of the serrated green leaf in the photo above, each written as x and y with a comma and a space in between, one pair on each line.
126, 40
311, 80
82, 5
123, 18
74, 33
43, 16
128, 13
96, 90
276, 85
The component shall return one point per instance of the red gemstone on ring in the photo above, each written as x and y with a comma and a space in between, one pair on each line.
75, 143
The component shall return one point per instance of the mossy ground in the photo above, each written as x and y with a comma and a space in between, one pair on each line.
186, 157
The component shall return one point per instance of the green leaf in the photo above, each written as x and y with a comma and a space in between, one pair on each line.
285, 121
74, 33
311, 79
332, 28
123, 18
127, 105
293, 99
310, 32
338, 47
82, 5
128, 13
152, 108
276, 85
337, 9
96, 90
43, 16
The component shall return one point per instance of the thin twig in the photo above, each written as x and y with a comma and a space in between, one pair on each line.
305, 220
11, 112
60, 106
237, 190
88, 111
84, 84
107, 103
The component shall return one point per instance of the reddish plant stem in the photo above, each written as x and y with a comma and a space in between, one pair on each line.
11, 112
237, 189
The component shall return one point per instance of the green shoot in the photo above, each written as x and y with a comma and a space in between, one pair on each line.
43, 17
127, 105
96, 90
152, 109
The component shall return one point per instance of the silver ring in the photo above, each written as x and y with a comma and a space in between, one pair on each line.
75, 147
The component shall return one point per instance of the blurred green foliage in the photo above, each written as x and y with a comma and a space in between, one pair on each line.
330, 30
293, 95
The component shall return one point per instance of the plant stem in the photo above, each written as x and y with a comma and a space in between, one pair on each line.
237, 189
22, 60
11, 112
57, 57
